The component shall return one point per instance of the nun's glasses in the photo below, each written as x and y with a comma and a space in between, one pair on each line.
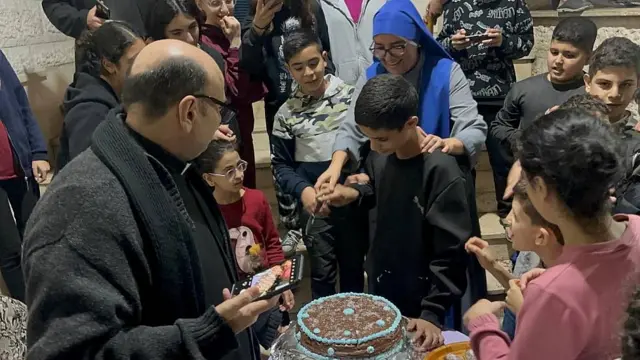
396, 50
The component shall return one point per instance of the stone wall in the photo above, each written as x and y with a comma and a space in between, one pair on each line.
43, 58
28, 40
610, 22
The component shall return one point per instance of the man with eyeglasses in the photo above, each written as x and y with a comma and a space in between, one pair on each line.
128, 255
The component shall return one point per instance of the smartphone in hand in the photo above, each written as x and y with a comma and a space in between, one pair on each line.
275, 280
102, 11
478, 38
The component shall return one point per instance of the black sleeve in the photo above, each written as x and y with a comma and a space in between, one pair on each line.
367, 198
519, 43
505, 126
252, 57
80, 122
449, 216
65, 17
323, 34
217, 57
84, 300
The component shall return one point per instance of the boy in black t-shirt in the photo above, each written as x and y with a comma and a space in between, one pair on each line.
421, 217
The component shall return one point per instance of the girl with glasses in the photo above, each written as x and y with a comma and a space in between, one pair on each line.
254, 236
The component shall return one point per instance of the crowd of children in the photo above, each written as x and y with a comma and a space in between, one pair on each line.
576, 148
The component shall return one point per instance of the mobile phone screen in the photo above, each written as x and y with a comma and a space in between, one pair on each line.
274, 280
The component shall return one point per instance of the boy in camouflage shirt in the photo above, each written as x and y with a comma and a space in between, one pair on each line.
304, 130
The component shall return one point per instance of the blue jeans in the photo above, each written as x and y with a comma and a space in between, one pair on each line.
509, 323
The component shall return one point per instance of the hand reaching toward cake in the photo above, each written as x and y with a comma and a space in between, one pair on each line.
427, 337
340, 196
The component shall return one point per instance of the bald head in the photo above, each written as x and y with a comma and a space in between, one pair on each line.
166, 71
158, 51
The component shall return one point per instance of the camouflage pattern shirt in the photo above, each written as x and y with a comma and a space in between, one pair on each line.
304, 131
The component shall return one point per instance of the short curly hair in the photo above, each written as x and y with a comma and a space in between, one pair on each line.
615, 52
587, 103
631, 328
576, 154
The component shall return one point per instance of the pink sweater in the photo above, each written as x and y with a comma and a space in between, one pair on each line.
574, 310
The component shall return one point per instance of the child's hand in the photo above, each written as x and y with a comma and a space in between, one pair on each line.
288, 301
340, 196
225, 133
357, 179
514, 296
427, 337
480, 249
530, 276
495, 37
459, 40
308, 199
552, 109
482, 307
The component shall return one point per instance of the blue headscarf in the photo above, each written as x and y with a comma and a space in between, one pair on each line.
401, 18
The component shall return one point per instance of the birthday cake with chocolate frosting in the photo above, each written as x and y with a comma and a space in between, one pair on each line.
350, 325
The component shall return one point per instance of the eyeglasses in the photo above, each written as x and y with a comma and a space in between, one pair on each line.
222, 104
231, 173
216, 3
396, 50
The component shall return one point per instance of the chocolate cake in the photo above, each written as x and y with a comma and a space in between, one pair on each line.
350, 325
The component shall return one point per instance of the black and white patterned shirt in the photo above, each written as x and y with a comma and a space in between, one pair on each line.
489, 70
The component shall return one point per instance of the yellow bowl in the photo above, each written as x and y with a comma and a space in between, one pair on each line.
459, 348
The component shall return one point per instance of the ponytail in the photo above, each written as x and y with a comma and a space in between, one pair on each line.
109, 42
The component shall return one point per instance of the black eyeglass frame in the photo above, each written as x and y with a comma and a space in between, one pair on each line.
222, 104
386, 51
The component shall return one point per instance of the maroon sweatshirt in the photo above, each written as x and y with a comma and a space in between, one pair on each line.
241, 90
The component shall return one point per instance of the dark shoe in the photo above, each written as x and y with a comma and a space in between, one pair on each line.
571, 6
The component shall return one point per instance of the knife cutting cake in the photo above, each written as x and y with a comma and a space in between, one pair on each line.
351, 326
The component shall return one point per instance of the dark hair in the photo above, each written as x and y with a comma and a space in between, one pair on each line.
165, 11
587, 103
577, 31
386, 102
209, 159
303, 10
631, 333
615, 52
174, 79
576, 154
297, 41
108, 42
520, 193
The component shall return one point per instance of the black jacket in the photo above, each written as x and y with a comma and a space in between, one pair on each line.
418, 226
87, 102
70, 16
111, 264
261, 56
